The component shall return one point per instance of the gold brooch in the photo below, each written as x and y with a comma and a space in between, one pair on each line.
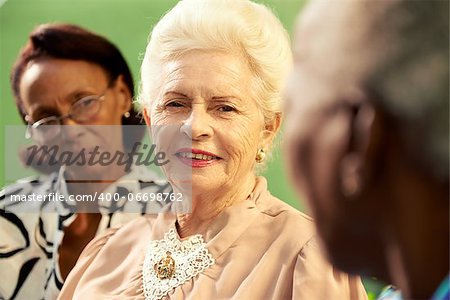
165, 267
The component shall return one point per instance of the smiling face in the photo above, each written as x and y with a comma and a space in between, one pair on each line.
208, 96
49, 87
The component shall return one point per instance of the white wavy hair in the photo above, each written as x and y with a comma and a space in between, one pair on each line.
240, 27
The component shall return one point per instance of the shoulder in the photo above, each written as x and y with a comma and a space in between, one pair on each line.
316, 278
116, 242
274, 207
120, 248
123, 236
140, 225
87, 258
96, 244
21, 216
22, 195
95, 247
287, 221
22, 186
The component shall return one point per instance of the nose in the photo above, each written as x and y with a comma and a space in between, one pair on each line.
198, 125
68, 121
71, 133
71, 130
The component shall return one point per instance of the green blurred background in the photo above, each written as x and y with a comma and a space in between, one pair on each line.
126, 23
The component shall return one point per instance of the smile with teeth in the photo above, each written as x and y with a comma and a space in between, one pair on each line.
197, 156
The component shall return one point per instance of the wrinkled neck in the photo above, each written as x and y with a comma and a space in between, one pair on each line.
207, 206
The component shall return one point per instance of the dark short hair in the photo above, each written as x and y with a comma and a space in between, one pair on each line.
66, 41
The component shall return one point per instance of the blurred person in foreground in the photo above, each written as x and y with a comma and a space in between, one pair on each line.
367, 137
213, 72
68, 84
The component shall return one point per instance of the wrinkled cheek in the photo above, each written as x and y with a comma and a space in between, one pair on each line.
158, 119
243, 151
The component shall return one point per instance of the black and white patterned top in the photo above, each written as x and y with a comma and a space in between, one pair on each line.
31, 231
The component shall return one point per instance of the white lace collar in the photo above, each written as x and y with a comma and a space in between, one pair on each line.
170, 262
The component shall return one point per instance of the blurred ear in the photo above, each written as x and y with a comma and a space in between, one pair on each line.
364, 141
146, 114
270, 130
124, 95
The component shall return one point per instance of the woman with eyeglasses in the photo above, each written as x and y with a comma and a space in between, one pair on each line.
68, 84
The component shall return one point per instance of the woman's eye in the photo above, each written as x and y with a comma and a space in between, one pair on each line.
174, 104
87, 102
226, 108
84, 103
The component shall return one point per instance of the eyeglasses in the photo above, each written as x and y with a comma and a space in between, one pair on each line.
81, 111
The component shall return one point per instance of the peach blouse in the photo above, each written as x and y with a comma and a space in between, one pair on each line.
261, 248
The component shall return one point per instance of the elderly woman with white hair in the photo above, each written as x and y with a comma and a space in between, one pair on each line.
213, 71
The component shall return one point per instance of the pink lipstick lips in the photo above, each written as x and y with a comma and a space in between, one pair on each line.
196, 158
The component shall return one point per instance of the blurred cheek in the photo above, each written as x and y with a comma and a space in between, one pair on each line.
109, 114
309, 158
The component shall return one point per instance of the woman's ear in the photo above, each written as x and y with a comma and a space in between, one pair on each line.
271, 129
146, 114
124, 99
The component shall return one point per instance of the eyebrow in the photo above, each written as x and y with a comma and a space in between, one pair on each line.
71, 98
44, 111
175, 93
224, 98
76, 95
215, 98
